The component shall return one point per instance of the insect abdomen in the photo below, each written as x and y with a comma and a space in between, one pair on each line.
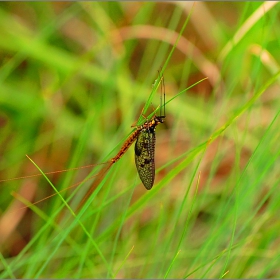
126, 145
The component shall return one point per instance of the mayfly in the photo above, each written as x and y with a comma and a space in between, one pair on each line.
145, 137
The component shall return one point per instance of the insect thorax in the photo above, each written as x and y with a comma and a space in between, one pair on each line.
151, 124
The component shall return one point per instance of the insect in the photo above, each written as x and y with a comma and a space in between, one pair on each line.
144, 149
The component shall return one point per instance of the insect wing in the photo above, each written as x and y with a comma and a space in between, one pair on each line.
145, 156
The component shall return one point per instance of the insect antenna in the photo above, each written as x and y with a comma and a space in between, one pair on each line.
162, 90
162, 95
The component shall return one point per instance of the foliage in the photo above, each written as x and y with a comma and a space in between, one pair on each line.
75, 76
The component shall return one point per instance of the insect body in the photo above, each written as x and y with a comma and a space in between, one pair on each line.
144, 150
144, 147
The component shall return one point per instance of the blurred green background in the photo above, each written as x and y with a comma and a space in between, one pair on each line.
75, 76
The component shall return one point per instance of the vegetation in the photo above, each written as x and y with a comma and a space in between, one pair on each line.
75, 77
